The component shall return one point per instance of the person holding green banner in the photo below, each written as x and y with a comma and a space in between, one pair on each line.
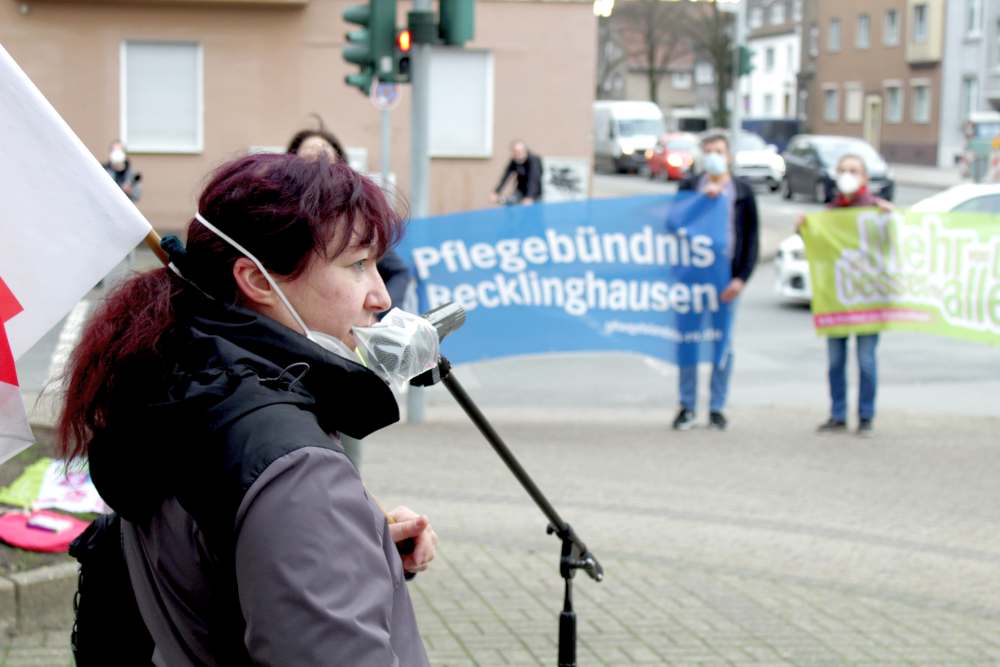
852, 192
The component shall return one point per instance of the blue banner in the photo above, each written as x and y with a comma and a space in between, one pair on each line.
642, 274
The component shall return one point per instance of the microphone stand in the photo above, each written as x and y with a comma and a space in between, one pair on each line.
575, 555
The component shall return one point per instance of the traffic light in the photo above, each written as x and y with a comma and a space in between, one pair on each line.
745, 55
404, 43
457, 24
372, 47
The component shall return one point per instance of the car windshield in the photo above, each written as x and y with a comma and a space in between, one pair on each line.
681, 145
750, 142
831, 150
639, 126
987, 130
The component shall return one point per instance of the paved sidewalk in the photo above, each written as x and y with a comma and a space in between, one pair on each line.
764, 545
926, 177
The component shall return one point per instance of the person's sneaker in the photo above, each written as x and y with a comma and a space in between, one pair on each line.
865, 427
717, 421
684, 420
832, 425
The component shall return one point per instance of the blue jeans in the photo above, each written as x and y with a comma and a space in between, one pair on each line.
868, 370
719, 384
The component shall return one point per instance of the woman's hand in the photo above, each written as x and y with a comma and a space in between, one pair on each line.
407, 524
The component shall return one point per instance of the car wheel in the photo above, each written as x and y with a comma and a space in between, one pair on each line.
786, 188
819, 192
773, 185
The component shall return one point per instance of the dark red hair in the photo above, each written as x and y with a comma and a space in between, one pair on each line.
285, 210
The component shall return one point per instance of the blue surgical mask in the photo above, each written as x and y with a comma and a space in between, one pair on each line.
715, 164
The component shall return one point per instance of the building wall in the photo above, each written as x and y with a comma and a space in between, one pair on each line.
778, 82
871, 70
991, 37
267, 65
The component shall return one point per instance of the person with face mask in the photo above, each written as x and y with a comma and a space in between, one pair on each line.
210, 397
120, 169
852, 192
742, 249
526, 168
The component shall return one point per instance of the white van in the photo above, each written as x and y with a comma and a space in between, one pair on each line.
623, 132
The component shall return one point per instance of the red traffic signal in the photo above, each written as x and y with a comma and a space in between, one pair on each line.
403, 41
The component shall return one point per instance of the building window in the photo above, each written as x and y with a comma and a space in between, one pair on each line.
161, 97
704, 74
790, 60
894, 103
920, 23
769, 104
921, 103
863, 37
778, 13
973, 17
756, 17
746, 104
681, 80
797, 11
831, 103
890, 31
853, 97
970, 95
769, 59
814, 41
996, 46
833, 39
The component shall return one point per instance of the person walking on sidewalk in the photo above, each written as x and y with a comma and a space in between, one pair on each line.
852, 192
120, 169
742, 249
210, 397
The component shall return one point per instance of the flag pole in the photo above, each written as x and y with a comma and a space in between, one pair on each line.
153, 241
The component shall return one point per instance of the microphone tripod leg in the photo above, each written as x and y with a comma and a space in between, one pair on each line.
567, 629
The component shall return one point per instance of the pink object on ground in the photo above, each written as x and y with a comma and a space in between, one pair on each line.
15, 531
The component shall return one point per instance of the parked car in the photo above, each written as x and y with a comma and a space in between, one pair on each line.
811, 163
673, 156
792, 269
757, 161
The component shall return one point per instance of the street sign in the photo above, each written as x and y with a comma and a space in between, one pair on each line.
385, 96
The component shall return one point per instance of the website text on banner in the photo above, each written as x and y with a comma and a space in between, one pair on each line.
641, 275
932, 272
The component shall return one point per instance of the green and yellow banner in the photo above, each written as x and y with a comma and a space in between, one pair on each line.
933, 272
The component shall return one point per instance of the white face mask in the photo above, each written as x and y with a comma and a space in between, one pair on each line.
397, 349
117, 158
715, 164
848, 183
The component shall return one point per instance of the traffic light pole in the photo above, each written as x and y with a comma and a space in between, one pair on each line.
739, 32
420, 161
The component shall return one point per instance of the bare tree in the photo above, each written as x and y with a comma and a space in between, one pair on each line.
611, 54
653, 31
711, 30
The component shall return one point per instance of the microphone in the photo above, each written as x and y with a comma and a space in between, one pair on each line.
446, 318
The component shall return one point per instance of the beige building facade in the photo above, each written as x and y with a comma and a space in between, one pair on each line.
189, 84
873, 69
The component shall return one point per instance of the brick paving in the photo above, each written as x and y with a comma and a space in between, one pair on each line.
764, 545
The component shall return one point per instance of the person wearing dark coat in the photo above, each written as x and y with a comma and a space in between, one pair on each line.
526, 168
742, 248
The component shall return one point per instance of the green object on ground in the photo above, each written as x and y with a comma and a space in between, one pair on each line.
24, 490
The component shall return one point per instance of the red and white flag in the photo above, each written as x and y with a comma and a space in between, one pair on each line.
64, 224
15, 434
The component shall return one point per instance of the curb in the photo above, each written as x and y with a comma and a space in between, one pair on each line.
41, 598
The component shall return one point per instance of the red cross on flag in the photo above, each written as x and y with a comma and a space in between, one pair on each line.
64, 224
15, 434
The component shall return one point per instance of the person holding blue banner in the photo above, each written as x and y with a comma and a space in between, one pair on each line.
742, 249
852, 192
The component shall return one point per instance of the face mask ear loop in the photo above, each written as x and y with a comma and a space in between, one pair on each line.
260, 267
